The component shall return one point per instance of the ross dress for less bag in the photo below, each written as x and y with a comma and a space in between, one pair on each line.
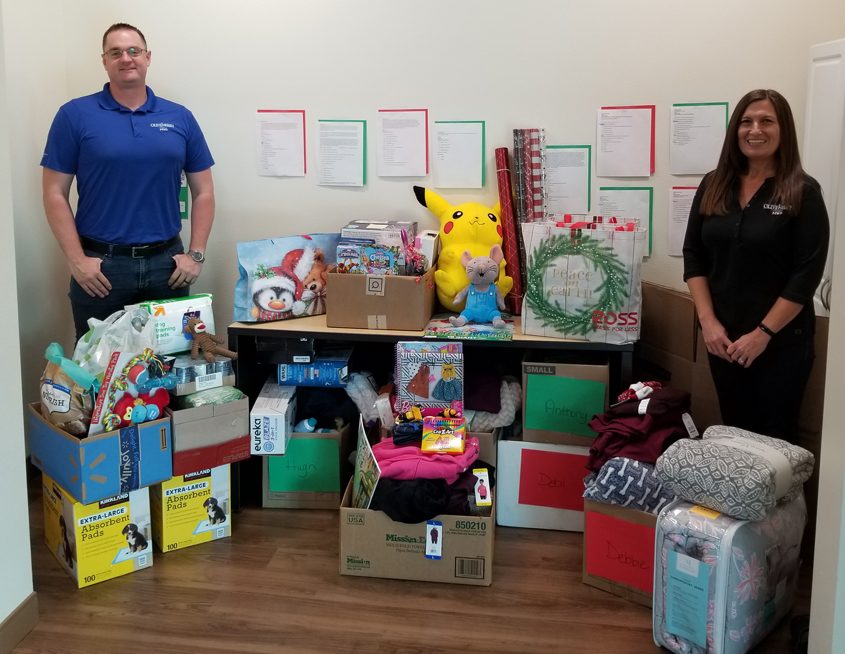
583, 284
284, 277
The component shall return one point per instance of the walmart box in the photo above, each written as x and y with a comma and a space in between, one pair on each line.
191, 509
104, 465
97, 541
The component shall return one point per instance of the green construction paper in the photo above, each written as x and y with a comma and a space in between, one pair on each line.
563, 404
308, 464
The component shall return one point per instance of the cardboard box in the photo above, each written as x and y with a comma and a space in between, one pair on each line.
210, 436
619, 551
191, 509
97, 541
668, 320
271, 418
380, 302
311, 474
330, 369
104, 465
373, 545
559, 400
541, 485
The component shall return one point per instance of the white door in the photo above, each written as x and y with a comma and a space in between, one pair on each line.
823, 140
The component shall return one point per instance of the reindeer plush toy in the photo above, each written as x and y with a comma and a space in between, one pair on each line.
205, 341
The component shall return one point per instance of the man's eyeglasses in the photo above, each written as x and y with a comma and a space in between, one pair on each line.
117, 53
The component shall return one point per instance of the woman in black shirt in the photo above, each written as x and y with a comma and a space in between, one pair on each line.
754, 253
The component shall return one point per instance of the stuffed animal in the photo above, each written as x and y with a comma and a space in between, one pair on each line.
483, 299
131, 409
468, 227
205, 341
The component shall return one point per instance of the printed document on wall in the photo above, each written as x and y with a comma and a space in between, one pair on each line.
698, 131
568, 179
403, 142
280, 142
342, 153
625, 141
628, 202
459, 153
680, 202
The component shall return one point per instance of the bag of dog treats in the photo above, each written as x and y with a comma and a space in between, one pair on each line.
67, 393
284, 277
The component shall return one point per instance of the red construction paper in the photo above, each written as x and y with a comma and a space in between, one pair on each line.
552, 479
619, 550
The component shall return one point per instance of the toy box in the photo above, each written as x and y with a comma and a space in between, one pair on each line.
104, 465
311, 474
191, 509
380, 301
210, 435
97, 541
560, 397
541, 485
363, 257
170, 317
329, 368
271, 418
619, 551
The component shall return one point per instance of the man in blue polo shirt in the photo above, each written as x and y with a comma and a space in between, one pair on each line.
127, 149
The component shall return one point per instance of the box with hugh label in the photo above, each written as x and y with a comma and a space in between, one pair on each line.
191, 509
97, 541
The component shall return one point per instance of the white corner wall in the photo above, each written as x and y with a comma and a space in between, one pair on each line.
15, 560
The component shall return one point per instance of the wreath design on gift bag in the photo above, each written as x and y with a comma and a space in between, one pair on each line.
612, 288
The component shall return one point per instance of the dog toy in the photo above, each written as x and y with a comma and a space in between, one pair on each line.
470, 227
483, 299
133, 410
205, 341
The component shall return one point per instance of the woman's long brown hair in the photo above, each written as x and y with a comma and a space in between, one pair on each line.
720, 185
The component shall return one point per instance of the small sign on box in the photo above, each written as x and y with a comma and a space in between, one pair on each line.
553, 479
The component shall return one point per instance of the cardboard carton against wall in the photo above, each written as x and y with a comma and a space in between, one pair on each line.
209, 436
619, 551
97, 541
668, 320
379, 301
541, 485
373, 545
311, 474
103, 465
191, 509
559, 400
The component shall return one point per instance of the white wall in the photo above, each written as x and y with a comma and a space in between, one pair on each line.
15, 562
528, 63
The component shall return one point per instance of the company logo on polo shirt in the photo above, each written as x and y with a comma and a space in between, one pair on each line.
163, 127
777, 209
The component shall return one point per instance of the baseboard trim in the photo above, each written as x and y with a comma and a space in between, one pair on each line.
19, 623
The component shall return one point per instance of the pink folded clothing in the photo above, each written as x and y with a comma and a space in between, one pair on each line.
409, 462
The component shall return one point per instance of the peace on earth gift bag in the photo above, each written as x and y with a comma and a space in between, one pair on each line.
583, 284
284, 277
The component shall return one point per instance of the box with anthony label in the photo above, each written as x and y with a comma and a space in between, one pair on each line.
103, 465
561, 396
171, 316
97, 541
330, 368
271, 419
191, 509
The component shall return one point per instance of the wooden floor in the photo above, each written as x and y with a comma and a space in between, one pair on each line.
274, 587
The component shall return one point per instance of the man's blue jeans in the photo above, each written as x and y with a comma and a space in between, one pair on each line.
133, 280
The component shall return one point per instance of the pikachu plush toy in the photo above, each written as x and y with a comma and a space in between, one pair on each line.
464, 227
